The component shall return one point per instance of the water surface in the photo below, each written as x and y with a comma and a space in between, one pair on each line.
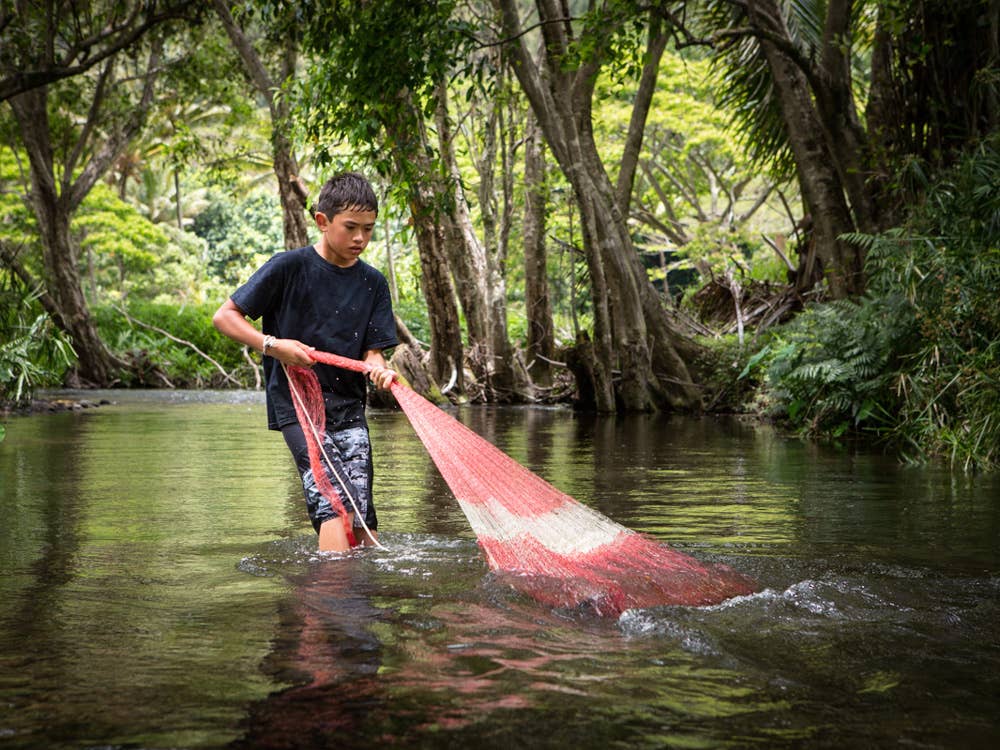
160, 588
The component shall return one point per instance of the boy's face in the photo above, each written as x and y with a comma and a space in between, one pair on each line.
345, 236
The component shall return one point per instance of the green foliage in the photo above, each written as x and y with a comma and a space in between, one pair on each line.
717, 247
366, 55
183, 366
745, 90
122, 252
154, 193
239, 233
17, 223
722, 365
833, 368
612, 31
121, 241
917, 361
413, 312
695, 194
33, 352
946, 262
180, 277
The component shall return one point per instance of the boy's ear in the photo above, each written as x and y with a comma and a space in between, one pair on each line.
321, 220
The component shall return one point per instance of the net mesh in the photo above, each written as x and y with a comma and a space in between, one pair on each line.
307, 395
536, 537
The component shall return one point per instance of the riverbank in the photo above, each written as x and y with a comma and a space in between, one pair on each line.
48, 406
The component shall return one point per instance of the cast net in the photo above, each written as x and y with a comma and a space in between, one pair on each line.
541, 540
307, 396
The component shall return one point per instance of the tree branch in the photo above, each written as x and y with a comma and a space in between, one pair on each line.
761, 198
781, 41
640, 111
526, 69
88, 126
170, 336
645, 216
665, 200
514, 37
690, 197
31, 75
112, 147
774, 246
252, 63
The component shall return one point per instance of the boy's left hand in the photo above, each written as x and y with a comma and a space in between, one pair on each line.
382, 377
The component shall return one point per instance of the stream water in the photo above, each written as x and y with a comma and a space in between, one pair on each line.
160, 588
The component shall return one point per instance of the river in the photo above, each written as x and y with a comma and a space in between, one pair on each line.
161, 588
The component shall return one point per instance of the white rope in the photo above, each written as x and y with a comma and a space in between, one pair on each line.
333, 470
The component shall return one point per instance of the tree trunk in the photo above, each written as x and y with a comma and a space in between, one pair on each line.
411, 155
819, 178
55, 200
291, 192
637, 123
286, 169
838, 115
561, 98
931, 100
481, 286
467, 258
96, 366
296, 221
883, 101
541, 338
507, 382
446, 359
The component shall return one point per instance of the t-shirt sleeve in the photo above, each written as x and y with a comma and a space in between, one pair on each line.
381, 332
261, 290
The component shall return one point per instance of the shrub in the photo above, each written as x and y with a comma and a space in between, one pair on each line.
832, 369
917, 361
136, 337
33, 352
946, 263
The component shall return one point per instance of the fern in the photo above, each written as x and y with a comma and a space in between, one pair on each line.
917, 361
834, 363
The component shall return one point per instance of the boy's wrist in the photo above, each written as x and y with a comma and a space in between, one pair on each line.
267, 344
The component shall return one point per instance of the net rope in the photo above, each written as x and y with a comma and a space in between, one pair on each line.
534, 536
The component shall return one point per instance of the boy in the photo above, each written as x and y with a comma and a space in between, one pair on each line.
325, 297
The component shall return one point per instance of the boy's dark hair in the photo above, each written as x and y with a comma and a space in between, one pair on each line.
347, 191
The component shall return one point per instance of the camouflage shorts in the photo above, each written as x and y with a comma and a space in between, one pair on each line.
349, 450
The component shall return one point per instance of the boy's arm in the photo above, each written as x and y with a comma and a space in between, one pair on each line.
231, 321
380, 374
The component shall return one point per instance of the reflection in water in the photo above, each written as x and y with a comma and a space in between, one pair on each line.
327, 650
160, 588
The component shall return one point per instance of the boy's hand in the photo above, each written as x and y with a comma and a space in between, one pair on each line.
291, 352
382, 377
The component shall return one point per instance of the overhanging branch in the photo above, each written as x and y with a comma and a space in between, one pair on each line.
34, 74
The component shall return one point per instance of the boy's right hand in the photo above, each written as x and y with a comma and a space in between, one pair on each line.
291, 352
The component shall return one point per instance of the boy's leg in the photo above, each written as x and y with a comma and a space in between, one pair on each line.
333, 538
354, 447
366, 538
350, 450
332, 535
326, 522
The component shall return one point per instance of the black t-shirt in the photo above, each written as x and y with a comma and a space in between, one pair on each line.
346, 311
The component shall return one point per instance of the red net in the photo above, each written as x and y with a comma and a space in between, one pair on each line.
311, 411
540, 539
